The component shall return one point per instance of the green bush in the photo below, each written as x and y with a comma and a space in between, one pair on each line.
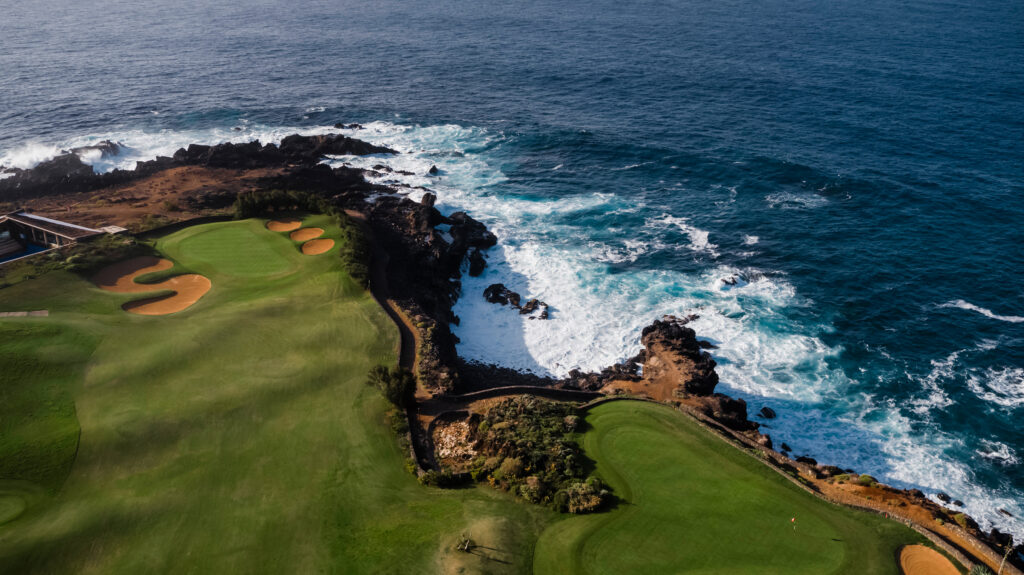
980, 570
585, 497
527, 447
961, 520
439, 479
397, 385
866, 480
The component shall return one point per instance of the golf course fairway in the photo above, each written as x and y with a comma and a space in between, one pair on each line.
691, 503
236, 436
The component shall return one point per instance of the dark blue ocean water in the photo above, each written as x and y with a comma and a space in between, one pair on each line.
858, 166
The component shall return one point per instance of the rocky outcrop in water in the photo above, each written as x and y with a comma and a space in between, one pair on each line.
477, 263
499, 294
106, 148
675, 357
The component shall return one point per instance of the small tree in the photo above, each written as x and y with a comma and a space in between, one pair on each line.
397, 385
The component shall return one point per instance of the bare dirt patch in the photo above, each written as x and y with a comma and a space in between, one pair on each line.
283, 225
921, 560
120, 278
166, 194
453, 444
316, 247
306, 234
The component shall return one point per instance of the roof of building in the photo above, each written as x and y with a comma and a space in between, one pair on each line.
63, 229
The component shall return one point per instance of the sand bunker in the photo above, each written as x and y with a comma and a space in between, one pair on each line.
284, 225
316, 247
921, 560
120, 278
306, 234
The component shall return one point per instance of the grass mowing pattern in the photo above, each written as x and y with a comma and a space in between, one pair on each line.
231, 251
236, 436
694, 504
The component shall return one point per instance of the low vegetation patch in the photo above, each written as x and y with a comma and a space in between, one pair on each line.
396, 385
527, 446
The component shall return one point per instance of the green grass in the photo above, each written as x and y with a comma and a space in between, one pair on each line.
691, 503
237, 436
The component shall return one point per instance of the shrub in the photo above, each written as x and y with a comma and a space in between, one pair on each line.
585, 497
397, 385
511, 468
527, 447
961, 520
439, 479
980, 570
866, 480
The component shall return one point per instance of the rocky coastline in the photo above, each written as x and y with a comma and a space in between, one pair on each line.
423, 271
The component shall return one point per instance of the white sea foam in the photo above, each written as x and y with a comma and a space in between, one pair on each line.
28, 155
629, 251
965, 305
750, 240
794, 200
997, 451
936, 397
632, 166
1001, 386
699, 239
140, 145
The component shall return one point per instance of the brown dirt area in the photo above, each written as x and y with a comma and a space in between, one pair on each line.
120, 278
306, 234
163, 194
283, 225
316, 247
452, 444
921, 560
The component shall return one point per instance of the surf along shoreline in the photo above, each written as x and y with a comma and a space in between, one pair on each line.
415, 275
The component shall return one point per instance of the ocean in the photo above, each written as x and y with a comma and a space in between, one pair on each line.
854, 169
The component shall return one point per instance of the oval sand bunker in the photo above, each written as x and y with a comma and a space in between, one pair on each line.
306, 234
120, 278
316, 247
921, 560
284, 225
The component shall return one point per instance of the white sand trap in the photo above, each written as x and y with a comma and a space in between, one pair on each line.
120, 278
306, 234
283, 225
317, 247
921, 560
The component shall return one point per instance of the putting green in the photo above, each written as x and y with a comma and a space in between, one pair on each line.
230, 249
693, 504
